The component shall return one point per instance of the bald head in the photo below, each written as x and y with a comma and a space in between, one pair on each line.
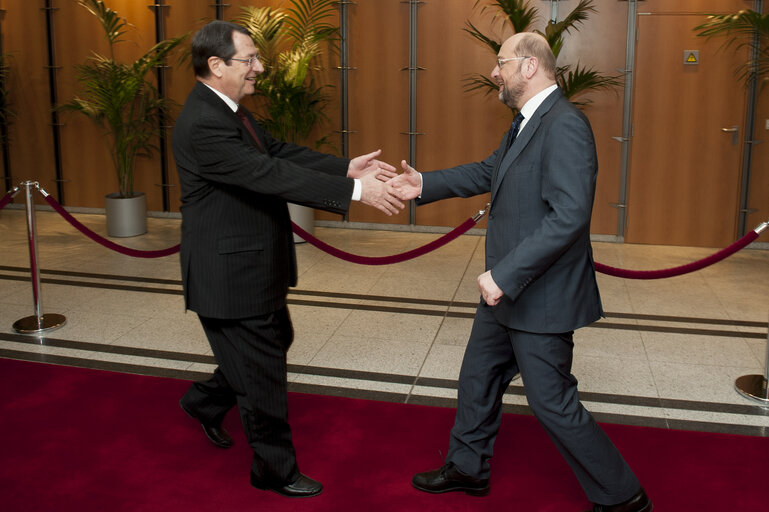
534, 45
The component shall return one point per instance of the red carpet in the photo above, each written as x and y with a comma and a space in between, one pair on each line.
85, 440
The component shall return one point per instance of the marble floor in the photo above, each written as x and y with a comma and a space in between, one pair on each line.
666, 355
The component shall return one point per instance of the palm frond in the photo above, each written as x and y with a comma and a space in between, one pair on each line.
581, 79
480, 82
554, 31
518, 13
307, 21
744, 23
265, 25
289, 41
493, 45
114, 26
745, 29
579, 14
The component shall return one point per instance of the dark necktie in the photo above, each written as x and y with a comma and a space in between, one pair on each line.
242, 115
514, 129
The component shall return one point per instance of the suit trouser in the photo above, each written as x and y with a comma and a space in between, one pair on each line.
251, 354
494, 355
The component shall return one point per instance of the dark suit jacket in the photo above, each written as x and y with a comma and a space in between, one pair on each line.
538, 236
237, 249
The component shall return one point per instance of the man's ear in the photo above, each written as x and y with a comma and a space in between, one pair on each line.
215, 64
530, 67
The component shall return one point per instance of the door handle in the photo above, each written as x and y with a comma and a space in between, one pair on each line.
735, 131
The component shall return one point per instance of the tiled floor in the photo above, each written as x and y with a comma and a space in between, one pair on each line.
666, 355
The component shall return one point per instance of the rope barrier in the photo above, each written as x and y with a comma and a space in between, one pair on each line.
7, 197
683, 269
385, 260
354, 258
136, 253
419, 251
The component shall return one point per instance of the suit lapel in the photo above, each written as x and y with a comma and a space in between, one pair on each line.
212, 99
507, 160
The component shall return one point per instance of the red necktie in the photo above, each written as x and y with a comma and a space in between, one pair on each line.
242, 115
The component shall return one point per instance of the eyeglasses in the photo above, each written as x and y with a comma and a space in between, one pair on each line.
502, 61
250, 61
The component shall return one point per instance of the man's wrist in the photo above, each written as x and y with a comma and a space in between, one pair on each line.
357, 190
421, 185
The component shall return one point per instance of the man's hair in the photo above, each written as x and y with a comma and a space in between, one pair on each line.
213, 40
534, 45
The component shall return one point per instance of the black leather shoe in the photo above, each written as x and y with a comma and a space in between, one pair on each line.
215, 433
639, 502
303, 487
448, 478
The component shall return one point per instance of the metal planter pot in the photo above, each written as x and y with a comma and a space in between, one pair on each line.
126, 216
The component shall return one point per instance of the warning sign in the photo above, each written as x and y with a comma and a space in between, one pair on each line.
691, 57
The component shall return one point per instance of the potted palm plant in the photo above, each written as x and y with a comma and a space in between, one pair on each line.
744, 29
119, 97
290, 103
519, 14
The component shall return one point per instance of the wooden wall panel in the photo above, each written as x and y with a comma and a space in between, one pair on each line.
30, 135
682, 6
378, 90
182, 16
86, 162
758, 199
147, 175
759, 179
600, 44
685, 172
459, 127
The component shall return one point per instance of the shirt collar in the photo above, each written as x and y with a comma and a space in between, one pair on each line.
533, 104
224, 97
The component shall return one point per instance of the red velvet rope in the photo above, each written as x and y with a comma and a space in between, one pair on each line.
385, 260
366, 260
105, 242
7, 198
397, 258
683, 269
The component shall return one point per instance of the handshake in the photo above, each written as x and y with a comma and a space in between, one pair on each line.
381, 186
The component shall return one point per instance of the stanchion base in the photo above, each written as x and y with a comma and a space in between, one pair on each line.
34, 325
753, 387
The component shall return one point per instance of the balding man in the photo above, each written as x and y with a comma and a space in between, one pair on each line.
539, 285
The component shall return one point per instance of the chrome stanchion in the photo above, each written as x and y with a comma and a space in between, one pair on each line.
756, 387
38, 322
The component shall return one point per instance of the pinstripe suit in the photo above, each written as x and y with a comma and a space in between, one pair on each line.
238, 261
